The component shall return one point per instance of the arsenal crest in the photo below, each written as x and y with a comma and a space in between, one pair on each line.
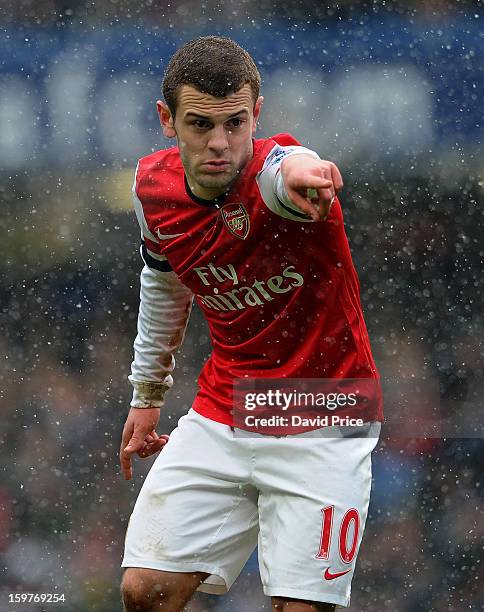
236, 220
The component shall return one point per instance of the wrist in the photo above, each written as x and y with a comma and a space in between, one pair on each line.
145, 407
302, 152
148, 394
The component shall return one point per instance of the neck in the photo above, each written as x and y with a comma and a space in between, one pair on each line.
206, 194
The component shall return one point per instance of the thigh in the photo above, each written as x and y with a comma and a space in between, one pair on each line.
143, 588
313, 504
196, 510
288, 604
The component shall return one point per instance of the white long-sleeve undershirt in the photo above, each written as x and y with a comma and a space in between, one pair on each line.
165, 306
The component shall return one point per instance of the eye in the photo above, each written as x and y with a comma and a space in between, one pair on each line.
235, 122
201, 124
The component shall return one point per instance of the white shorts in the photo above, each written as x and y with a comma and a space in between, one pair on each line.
210, 498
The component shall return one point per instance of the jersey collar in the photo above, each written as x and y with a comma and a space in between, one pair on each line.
216, 202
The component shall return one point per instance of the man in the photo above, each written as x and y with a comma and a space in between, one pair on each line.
227, 219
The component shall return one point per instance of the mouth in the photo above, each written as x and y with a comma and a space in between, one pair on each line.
216, 165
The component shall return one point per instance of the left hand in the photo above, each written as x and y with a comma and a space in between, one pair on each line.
303, 172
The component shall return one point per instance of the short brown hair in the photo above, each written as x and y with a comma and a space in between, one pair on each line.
214, 65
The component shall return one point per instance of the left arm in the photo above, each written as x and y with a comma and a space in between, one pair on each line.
311, 184
287, 175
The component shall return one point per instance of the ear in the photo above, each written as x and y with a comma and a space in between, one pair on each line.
166, 119
257, 109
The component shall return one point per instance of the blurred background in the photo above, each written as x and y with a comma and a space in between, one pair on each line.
390, 91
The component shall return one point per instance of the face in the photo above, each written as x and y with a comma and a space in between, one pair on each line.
214, 136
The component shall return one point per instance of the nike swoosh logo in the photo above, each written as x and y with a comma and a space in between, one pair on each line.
329, 576
166, 236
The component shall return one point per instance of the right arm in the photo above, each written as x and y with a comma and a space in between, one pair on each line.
165, 305
164, 310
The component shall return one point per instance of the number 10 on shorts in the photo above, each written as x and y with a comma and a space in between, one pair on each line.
349, 530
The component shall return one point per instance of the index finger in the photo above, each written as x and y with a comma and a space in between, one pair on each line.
125, 462
124, 457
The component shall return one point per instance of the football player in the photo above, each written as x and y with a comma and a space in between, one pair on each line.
252, 230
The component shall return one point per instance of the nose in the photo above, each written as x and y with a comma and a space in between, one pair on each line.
218, 141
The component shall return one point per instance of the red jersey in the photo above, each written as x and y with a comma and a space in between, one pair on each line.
280, 295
